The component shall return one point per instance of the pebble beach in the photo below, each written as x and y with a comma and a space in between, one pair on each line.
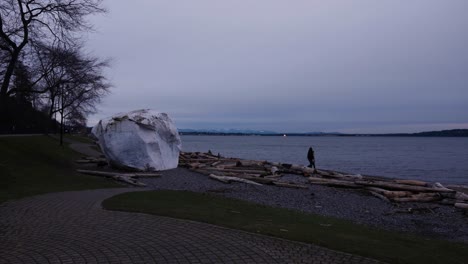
430, 220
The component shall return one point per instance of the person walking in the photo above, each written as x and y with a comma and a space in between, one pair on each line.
311, 158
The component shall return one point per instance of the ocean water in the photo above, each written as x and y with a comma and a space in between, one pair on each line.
424, 158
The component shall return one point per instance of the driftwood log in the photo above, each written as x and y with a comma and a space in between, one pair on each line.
412, 182
380, 196
123, 177
290, 185
333, 182
229, 179
461, 205
403, 187
389, 194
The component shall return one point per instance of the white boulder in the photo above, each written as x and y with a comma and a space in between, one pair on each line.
143, 140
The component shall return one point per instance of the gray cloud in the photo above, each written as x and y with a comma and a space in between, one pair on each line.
308, 65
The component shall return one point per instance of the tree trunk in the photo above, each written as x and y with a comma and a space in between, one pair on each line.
51, 117
62, 112
4, 115
8, 74
61, 129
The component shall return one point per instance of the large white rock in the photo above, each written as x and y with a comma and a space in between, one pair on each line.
143, 140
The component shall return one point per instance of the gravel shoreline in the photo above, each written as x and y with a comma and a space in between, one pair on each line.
435, 221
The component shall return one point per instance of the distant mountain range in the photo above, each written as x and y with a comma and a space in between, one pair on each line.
227, 131
443, 133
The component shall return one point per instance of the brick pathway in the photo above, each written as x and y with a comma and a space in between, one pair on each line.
71, 227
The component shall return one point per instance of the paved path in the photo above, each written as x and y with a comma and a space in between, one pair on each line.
71, 227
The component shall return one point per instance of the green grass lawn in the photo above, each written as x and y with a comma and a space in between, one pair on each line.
332, 233
79, 138
37, 164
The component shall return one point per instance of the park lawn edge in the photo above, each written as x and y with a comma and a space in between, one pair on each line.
332, 233
34, 165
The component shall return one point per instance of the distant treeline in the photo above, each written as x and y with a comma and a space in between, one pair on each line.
443, 133
23, 118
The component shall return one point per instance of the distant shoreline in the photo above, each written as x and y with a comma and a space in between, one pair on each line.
443, 133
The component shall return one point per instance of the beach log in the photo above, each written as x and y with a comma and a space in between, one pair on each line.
325, 173
462, 187
214, 164
335, 175
225, 165
112, 174
290, 185
247, 163
219, 178
229, 179
128, 178
230, 174
389, 194
297, 167
440, 186
274, 176
207, 156
380, 196
277, 164
146, 175
201, 160
461, 196
256, 179
421, 197
352, 176
462, 205
257, 168
412, 182
103, 173
307, 172
240, 171
403, 187
333, 183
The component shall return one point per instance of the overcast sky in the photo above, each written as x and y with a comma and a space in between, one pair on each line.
296, 65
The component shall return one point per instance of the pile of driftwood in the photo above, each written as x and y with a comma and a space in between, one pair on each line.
129, 178
264, 172
394, 190
231, 169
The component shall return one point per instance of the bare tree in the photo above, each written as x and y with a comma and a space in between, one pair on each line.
57, 21
76, 121
75, 82
3, 59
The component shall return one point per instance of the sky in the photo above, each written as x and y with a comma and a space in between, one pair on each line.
360, 66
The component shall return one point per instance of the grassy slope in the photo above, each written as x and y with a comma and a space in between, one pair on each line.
37, 164
329, 232
79, 138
